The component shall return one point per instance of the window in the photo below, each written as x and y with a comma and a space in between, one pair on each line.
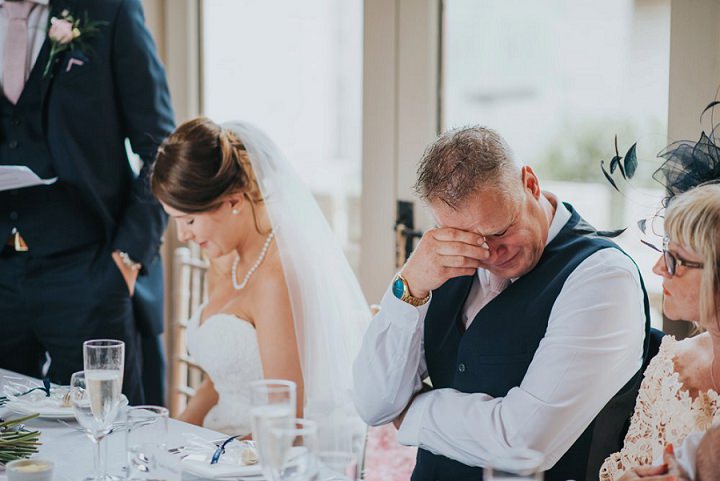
559, 79
295, 70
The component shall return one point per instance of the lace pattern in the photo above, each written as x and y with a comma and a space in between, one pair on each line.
664, 413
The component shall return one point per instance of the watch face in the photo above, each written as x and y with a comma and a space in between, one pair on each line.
398, 288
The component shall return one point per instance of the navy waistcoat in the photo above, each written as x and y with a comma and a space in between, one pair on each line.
50, 218
493, 355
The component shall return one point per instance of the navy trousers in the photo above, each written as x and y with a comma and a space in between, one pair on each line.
153, 369
54, 303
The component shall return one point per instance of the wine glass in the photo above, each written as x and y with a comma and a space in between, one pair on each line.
147, 443
273, 404
517, 465
291, 450
96, 426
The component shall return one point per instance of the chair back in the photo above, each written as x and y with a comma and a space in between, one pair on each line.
190, 292
655, 339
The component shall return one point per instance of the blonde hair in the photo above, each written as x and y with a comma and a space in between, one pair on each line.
693, 221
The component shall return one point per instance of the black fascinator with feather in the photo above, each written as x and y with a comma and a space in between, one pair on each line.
687, 164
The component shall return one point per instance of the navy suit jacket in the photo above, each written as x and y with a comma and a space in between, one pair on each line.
119, 92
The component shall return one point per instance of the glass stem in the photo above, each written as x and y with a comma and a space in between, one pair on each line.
100, 466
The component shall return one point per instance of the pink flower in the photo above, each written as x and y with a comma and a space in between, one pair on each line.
61, 31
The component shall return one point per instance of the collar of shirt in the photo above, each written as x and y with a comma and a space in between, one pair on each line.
44, 3
560, 218
39, 2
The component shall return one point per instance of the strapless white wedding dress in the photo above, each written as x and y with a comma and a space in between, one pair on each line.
226, 348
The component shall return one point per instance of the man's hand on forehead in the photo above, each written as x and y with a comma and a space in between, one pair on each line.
442, 254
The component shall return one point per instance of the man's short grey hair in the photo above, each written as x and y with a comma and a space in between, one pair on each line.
462, 161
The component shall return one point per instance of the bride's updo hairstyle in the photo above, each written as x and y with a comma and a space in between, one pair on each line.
200, 164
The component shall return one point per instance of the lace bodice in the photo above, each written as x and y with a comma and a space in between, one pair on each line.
226, 348
664, 413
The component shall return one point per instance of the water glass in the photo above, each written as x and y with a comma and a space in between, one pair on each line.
115, 443
291, 451
517, 465
147, 430
273, 403
338, 466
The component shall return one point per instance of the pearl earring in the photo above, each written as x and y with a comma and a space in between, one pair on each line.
235, 211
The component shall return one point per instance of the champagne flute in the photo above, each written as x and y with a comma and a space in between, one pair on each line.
273, 404
104, 361
97, 396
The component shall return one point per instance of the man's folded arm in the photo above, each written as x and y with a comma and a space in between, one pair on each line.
391, 364
592, 347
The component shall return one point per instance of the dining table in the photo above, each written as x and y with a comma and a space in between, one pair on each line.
71, 450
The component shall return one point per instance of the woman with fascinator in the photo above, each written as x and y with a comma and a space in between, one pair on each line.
286, 305
679, 392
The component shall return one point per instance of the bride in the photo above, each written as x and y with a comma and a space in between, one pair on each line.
283, 301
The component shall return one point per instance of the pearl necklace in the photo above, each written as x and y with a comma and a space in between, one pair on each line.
255, 266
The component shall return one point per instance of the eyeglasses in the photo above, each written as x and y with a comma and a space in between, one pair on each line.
673, 260
221, 449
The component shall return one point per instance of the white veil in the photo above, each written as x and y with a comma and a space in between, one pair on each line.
328, 306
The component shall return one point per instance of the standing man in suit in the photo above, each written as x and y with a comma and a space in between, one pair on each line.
78, 78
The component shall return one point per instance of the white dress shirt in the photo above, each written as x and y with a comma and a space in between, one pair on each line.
593, 345
37, 31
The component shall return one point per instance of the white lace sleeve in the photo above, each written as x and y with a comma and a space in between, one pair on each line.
664, 413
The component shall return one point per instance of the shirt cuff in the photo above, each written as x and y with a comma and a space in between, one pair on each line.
409, 432
401, 313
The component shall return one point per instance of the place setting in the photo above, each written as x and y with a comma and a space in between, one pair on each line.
31, 397
133, 443
284, 447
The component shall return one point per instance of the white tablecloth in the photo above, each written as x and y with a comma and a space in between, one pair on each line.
72, 451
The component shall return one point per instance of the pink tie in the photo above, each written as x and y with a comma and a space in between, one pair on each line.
16, 48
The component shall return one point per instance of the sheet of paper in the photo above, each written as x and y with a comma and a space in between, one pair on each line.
19, 176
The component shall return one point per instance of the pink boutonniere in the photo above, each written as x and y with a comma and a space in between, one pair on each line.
70, 33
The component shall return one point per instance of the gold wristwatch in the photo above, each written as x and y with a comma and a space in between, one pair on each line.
401, 290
